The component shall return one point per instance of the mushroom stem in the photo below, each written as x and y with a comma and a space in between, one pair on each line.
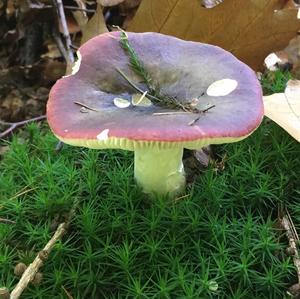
159, 171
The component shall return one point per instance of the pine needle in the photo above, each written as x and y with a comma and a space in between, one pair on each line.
153, 92
135, 63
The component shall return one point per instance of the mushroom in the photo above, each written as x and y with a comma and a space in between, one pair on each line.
224, 90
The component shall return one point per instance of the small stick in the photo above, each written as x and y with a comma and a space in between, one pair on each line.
60, 45
292, 236
79, 8
67, 293
7, 221
13, 126
181, 197
170, 113
33, 268
141, 98
150, 97
201, 111
22, 192
61, 14
59, 146
86, 106
70, 7
292, 225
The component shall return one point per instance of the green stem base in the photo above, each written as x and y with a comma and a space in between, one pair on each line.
159, 171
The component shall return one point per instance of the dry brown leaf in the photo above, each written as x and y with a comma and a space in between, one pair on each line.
250, 31
96, 25
128, 10
291, 4
109, 2
284, 108
53, 51
80, 16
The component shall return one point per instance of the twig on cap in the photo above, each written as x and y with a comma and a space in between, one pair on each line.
149, 96
200, 111
141, 98
170, 113
13, 126
86, 106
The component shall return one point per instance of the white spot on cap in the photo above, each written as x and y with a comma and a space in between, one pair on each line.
103, 135
271, 60
140, 100
121, 103
222, 87
66, 130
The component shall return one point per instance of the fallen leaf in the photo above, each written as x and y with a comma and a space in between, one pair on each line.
12, 107
109, 2
95, 26
250, 31
128, 10
284, 108
53, 51
292, 4
80, 15
72, 24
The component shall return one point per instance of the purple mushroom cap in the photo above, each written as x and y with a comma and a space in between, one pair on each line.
183, 70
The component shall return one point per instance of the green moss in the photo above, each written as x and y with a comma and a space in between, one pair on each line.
221, 241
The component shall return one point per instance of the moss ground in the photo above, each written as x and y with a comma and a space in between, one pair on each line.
221, 241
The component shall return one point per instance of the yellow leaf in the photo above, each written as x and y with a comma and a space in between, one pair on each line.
250, 29
284, 108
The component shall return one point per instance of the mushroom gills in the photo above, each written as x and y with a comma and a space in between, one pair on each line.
159, 171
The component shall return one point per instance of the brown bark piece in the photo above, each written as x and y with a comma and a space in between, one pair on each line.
249, 29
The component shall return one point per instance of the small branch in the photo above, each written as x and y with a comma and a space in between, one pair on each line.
62, 18
33, 268
7, 221
286, 224
13, 126
69, 7
42, 256
67, 293
60, 45
200, 111
150, 97
79, 8
59, 146
293, 238
169, 113
86, 106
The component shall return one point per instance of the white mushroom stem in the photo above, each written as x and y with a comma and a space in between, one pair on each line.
159, 171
